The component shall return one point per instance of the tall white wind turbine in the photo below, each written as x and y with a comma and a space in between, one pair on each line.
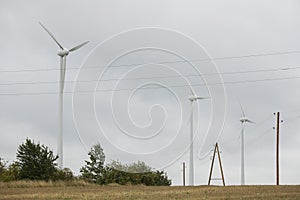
243, 120
63, 53
192, 98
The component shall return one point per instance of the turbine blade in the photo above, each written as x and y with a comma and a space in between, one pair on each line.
243, 128
239, 137
243, 113
62, 72
191, 113
250, 121
51, 35
192, 93
78, 46
202, 97
189, 119
61, 75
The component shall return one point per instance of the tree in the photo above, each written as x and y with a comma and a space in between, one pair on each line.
36, 162
94, 168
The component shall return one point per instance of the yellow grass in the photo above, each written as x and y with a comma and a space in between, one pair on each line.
83, 190
35, 184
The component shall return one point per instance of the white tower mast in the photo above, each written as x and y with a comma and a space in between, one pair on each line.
192, 98
243, 120
63, 53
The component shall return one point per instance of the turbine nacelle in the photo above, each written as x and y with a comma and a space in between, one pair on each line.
245, 119
63, 52
194, 98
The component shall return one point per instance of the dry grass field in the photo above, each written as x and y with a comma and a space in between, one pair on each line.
81, 190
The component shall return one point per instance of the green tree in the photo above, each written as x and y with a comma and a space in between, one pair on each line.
93, 170
36, 161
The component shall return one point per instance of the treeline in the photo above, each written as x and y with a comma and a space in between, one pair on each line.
37, 162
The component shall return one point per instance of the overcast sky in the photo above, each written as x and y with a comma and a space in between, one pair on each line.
255, 49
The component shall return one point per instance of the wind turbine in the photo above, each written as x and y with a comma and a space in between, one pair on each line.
192, 98
243, 120
63, 53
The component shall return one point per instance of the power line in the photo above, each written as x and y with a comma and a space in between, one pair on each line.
145, 78
154, 87
165, 62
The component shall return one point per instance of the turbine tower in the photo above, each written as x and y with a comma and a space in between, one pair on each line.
243, 120
63, 53
192, 98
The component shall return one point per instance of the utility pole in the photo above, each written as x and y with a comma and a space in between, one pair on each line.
243, 155
277, 146
212, 165
216, 150
183, 173
191, 172
221, 168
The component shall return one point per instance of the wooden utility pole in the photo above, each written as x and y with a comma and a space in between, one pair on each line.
221, 168
212, 164
277, 150
216, 150
183, 173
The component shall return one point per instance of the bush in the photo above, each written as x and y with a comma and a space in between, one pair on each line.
153, 178
135, 173
10, 173
63, 174
2, 167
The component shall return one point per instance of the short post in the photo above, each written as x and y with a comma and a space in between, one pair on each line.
183, 173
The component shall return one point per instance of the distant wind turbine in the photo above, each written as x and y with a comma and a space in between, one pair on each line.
192, 98
243, 120
63, 53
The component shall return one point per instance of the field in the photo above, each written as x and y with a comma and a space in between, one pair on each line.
81, 190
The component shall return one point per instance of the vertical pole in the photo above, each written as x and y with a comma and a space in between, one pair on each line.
212, 165
60, 116
59, 142
277, 149
183, 173
221, 168
191, 174
243, 156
